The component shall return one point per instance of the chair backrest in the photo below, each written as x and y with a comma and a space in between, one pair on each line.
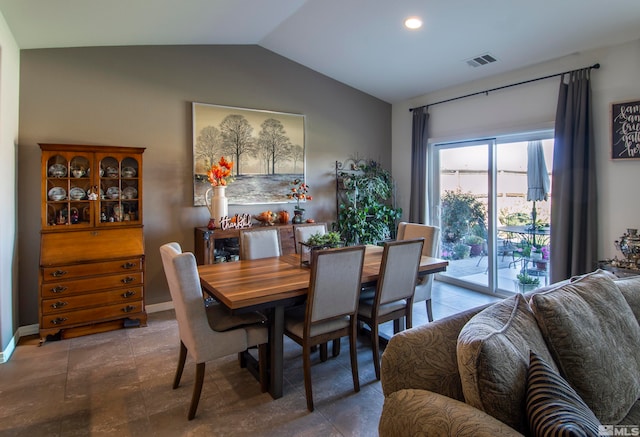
302, 233
398, 270
259, 243
334, 286
184, 285
431, 235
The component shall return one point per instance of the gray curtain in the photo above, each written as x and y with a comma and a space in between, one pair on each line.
419, 136
573, 188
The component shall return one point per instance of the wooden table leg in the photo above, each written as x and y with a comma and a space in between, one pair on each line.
276, 349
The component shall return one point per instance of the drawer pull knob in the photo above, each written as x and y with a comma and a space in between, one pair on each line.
58, 273
128, 279
59, 320
59, 304
128, 293
128, 265
128, 308
58, 289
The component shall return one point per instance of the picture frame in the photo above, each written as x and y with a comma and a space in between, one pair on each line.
625, 130
266, 147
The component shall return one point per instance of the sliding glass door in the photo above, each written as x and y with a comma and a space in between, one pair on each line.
478, 197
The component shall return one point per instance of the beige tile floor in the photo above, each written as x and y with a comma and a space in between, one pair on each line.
119, 383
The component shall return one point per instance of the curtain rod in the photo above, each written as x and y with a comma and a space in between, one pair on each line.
595, 66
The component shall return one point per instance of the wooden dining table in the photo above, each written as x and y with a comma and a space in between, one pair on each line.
272, 284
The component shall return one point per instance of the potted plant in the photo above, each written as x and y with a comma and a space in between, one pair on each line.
526, 282
318, 241
476, 243
366, 214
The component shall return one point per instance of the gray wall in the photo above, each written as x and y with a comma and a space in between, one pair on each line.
141, 96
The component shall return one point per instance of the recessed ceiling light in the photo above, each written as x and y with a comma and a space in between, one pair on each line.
413, 23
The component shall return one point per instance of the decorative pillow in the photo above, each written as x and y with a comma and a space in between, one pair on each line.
493, 358
630, 288
553, 407
595, 341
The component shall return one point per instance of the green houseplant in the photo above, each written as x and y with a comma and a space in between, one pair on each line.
318, 241
366, 214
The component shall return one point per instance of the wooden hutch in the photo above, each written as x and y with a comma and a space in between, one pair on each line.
91, 245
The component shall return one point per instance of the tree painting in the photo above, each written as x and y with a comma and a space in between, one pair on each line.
267, 149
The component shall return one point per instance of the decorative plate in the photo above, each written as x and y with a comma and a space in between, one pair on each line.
128, 172
113, 192
129, 193
111, 172
58, 171
57, 193
77, 193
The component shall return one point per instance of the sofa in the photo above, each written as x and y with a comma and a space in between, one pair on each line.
564, 357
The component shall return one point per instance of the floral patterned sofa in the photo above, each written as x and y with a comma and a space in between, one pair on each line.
471, 374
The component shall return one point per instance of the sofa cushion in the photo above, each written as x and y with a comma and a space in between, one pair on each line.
493, 358
630, 288
595, 341
553, 407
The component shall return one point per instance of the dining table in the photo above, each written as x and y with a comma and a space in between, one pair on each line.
273, 284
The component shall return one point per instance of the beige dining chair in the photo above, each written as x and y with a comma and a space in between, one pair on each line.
431, 235
210, 332
393, 299
330, 312
256, 243
302, 233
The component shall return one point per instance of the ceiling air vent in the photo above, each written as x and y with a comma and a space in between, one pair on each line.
481, 60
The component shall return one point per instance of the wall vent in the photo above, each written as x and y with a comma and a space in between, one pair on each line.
481, 60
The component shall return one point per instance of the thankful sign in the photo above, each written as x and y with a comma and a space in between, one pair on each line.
625, 130
238, 221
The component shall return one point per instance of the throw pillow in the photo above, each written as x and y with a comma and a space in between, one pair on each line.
553, 407
630, 288
493, 358
595, 341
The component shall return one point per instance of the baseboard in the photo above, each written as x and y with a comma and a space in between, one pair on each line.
24, 331
158, 307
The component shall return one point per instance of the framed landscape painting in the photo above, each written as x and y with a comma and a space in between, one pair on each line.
266, 147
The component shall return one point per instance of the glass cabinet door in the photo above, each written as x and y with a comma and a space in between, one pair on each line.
68, 181
119, 187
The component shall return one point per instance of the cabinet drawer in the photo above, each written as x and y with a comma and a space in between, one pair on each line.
91, 315
64, 288
73, 302
91, 269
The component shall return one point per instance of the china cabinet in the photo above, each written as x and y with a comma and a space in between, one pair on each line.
91, 241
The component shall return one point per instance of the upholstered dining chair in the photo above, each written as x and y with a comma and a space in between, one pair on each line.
431, 235
331, 307
259, 243
393, 299
302, 233
207, 333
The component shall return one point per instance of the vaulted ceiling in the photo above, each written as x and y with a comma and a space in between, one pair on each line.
362, 43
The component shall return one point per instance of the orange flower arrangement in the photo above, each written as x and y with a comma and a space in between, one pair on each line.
219, 173
299, 191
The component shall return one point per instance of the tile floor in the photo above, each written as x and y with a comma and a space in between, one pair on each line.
119, 383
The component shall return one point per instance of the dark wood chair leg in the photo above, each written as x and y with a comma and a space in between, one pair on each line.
396, 326
197, 389
375, 347
354, 356
429, 310
242, 359
324, 352
306, 364
409, 317
181, 360
263, 359
335, 347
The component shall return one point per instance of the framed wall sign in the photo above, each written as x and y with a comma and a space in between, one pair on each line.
266, 147
625, 130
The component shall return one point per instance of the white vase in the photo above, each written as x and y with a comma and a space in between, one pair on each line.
217, 203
